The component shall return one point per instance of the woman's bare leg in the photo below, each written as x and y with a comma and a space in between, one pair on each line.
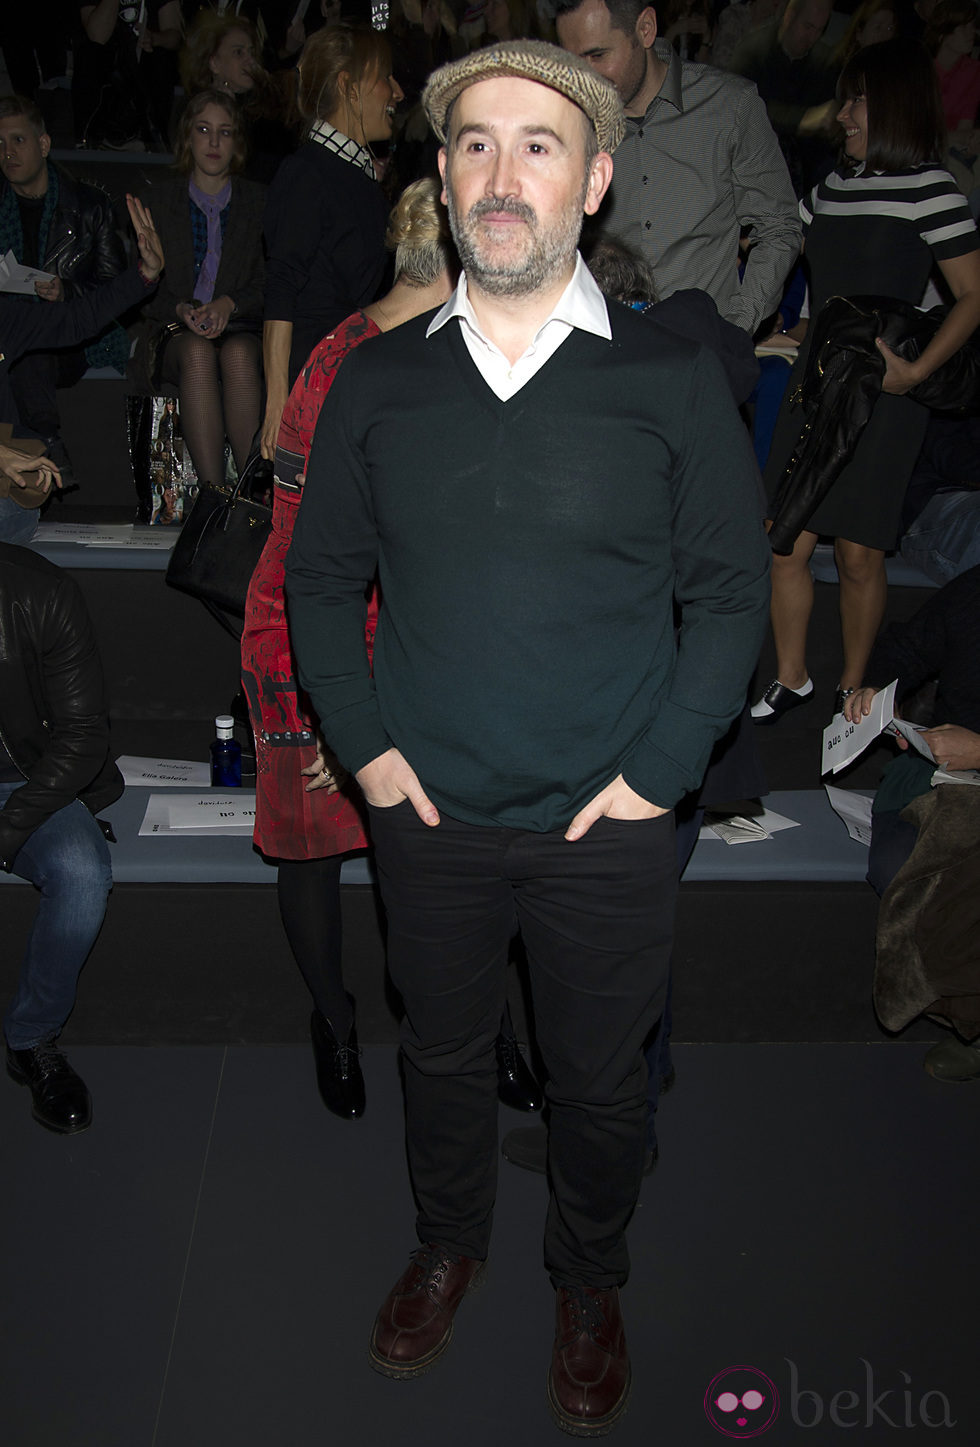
792, 604
863, 591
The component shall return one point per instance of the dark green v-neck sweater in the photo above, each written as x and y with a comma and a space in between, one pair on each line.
528, 553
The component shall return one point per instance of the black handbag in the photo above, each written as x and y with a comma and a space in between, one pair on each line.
220, 542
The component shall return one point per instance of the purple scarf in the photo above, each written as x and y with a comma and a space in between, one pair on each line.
212, 207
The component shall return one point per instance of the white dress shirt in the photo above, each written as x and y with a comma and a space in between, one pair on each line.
580, 305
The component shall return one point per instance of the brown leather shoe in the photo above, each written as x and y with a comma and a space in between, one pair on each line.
415, 1324
589, 1381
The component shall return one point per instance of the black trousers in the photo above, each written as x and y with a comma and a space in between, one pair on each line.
597, 920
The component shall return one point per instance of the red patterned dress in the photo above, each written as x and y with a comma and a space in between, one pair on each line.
289, 822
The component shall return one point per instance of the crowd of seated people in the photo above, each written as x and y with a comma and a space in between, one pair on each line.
326, 117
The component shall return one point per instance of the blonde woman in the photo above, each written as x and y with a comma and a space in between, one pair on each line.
326, 214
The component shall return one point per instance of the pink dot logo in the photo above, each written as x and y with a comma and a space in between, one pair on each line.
741, 1402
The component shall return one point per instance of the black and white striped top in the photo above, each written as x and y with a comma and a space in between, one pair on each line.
881, 234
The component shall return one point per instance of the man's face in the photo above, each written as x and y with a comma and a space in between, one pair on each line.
516, 186
802, 28
22, 156
589, 33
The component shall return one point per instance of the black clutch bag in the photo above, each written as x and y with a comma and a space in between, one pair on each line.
220, 542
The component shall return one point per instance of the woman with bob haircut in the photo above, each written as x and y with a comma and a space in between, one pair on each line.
326, 214
308, 813
878, 225
208, 309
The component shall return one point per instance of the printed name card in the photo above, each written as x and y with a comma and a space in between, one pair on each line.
208, 815
843, 741
164, 773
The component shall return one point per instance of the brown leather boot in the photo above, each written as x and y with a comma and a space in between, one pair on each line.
589, 1381
415, 1324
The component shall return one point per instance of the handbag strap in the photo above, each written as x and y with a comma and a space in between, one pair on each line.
220, 616
254, 463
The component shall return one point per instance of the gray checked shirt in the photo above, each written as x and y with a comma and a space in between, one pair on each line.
701, 164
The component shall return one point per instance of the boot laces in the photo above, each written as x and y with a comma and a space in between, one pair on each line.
432, 1261
586, 1313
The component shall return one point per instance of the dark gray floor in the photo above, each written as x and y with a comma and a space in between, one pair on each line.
203, 1265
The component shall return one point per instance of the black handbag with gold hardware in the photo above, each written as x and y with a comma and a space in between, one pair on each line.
221, 539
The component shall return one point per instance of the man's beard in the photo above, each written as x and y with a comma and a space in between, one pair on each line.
549, 254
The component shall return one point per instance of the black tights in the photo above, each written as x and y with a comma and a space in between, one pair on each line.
220, 388
309, 906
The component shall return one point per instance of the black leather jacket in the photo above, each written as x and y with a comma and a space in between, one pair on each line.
83, 246
53, 720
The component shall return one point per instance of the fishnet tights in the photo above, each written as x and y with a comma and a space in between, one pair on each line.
220, 388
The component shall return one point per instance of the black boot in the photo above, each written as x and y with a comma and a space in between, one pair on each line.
516, 1085
338, 1068
61, 1099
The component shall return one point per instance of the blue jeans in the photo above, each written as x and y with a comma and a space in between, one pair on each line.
67, 859
944, 540
17, 524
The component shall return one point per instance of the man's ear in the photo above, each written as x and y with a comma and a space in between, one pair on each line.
442, 159
646, 27
45, 143
599, 179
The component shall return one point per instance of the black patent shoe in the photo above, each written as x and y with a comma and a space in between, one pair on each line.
516, 1085
61, 1099
338, 1069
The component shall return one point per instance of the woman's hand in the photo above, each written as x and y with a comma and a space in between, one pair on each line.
19, 467
211, 318
324, 772
147, 240
900, 376
857, 705
954, 747
185, 315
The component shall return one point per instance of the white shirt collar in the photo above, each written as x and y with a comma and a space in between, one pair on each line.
333, 140
580, 305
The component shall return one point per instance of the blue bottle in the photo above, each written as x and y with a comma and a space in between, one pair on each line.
226, 755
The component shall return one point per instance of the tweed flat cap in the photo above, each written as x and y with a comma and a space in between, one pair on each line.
529, 60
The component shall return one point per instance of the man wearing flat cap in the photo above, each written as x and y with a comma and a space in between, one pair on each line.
536, 476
